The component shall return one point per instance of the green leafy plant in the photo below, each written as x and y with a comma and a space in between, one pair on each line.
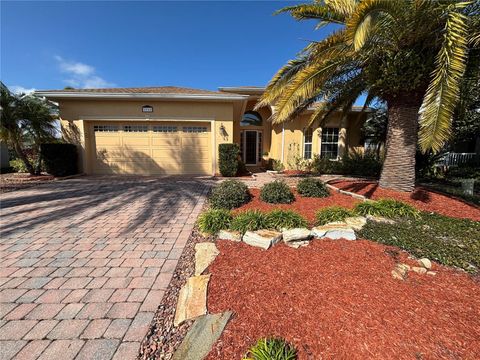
388, 208
271, 349
322, 166
250, 220
449, 241
310, 187
229, 194
228, 159
277, 165
332, 214
214, 220
285, 219
59, 159
276, 192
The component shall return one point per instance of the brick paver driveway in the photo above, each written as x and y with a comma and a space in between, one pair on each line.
85, 262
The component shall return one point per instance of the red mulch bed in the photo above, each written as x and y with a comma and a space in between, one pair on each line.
305, 206
338, 300
421, 198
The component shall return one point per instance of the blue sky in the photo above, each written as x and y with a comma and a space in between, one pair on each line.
201, 44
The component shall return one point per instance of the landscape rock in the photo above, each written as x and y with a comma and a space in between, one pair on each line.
426, 263
356, 222
192, 299
380, 219
199, 340
321, 231
205, 253
230, 235
296, 234
419, 270
262, 238
431, 273
297, 244
400, 272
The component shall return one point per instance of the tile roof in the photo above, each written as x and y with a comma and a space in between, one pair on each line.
143, 90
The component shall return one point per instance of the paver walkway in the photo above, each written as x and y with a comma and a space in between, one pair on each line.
85, 262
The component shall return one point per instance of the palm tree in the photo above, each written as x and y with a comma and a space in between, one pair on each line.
26, 119
410, 54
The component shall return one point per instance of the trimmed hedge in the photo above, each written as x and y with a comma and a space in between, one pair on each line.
228, 159
230, 194
59, 159
276, 192
311, 187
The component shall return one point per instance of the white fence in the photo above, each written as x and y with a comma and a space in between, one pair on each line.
455, 159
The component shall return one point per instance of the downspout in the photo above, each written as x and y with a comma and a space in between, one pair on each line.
283, 142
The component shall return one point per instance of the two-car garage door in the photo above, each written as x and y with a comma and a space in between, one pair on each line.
153, 148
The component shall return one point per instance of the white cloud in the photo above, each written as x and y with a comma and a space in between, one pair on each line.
18, 89
81, 75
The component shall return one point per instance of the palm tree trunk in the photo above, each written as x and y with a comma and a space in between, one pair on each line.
398, 172
19, 151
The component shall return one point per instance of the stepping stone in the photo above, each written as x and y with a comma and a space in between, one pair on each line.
262, 238
205, 253
199, 340
334, 231
192, 299
296, 234
356, 222
230, 235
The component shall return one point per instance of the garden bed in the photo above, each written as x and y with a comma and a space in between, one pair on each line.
422, 198
337, 299
16, 181
305, 206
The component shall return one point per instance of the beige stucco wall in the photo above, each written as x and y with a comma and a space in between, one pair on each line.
79, 115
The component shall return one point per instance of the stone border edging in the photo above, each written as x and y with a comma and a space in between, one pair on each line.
349, 193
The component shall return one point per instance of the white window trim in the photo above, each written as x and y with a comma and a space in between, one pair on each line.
328, 142
307, 143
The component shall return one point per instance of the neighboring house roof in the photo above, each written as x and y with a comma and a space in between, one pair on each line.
170, 92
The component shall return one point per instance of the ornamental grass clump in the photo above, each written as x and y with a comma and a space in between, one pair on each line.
311, 187
285, 219
387, 208
230, 194
271, 349
277, 192
332, 214
250, 220
214, 220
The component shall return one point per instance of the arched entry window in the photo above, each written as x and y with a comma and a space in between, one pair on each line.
251, 118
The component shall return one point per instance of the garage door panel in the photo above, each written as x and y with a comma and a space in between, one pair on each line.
152, 152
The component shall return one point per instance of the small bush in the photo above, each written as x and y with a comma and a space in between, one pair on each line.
228, 159
277, 165
60, 159
276, 192
230, 194
18, 166
214, 220
356, 163
285, 219
250, 220
271, 349
388, 208
326, 166
332, 214
311, 187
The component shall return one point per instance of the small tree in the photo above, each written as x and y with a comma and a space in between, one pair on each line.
26, 119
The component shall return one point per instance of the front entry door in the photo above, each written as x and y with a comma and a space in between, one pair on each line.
251, 150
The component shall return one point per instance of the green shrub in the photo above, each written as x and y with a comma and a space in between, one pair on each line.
449, 241
249, 220
332, 214
388, 208
326, 166
228, 159
60, 159
229, 194
277, 165
271, 349
18, 166
214, 220
356, 163
310, 187
285, 219
276, 192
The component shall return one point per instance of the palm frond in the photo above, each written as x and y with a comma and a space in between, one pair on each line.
344, 7
443, 91
313, 12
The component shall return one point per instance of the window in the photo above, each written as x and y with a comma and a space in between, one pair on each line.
329, 149
195, 129
164, 129
135, 128
251, 118
105, 128
307, 143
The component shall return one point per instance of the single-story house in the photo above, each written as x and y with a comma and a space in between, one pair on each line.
174, 130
